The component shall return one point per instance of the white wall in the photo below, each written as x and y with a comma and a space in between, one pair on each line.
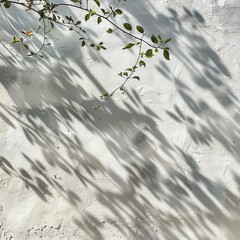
160, 162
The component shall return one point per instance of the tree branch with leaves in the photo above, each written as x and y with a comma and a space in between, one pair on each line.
49, 16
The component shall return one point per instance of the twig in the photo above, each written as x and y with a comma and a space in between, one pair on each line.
127, 78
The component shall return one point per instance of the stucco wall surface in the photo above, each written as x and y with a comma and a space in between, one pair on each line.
159, 162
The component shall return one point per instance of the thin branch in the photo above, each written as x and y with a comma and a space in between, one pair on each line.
127, 78
107, 19
8, 22
44, 38
96, 14
48, 9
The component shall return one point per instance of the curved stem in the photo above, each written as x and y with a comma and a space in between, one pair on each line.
96, 14
44, 37
45, 13
127, 78
107, 19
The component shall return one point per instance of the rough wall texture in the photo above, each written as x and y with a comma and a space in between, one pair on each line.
160, 162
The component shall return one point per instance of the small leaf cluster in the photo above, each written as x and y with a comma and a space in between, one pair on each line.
158, 44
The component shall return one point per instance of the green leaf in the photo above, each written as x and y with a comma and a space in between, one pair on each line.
118, 11
166, 54
75, 1
69, 18
105, 94
127, 26
149, 53
167, 40
109, 30
140, 29
128, 46
97, 2
83, 43
99, 20
134, 68
78, 22
160, 38
7, 4
91, 12
30, 53
26, 46
54, 18
137, 77
142, 63
154, 39
87, 16
16, 40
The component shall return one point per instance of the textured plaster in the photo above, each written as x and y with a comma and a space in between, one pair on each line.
160, 162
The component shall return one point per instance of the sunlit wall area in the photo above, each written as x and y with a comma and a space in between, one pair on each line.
160, 161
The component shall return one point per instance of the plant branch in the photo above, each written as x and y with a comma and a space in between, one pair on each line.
126, 79
107, 19
87, 10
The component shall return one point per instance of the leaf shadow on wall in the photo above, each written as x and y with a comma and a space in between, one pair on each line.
158, 198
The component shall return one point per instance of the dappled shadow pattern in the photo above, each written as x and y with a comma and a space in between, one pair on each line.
145, 186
